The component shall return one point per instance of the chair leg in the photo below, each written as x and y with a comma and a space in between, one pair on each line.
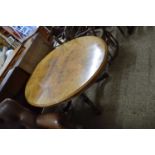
94, 107
120, 29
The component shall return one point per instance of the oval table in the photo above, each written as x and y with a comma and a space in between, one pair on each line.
66, 71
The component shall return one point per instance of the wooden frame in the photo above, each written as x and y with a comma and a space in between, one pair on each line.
9, 63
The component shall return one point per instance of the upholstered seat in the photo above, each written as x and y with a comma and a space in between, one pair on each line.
13, 115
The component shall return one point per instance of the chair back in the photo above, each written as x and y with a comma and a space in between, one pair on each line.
13, 115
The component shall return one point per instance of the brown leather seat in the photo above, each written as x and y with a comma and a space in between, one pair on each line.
50, 121
13, 115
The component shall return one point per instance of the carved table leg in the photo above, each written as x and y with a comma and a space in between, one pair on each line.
67, 106
94, 107
102, 77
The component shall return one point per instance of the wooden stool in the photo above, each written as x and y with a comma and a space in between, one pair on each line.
67, 71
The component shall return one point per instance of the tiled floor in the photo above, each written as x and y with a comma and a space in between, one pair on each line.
128, 99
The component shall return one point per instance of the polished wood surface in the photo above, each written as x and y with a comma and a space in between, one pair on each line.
66, 71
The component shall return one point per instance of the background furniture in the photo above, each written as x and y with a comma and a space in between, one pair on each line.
27, 55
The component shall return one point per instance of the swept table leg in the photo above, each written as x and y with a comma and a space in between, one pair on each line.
94, 107
67, 106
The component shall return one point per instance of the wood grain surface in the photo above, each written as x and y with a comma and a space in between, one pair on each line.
66, 71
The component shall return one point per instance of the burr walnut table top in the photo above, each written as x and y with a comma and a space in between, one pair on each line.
66, 71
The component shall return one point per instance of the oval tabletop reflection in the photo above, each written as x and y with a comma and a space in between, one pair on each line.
66, 71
